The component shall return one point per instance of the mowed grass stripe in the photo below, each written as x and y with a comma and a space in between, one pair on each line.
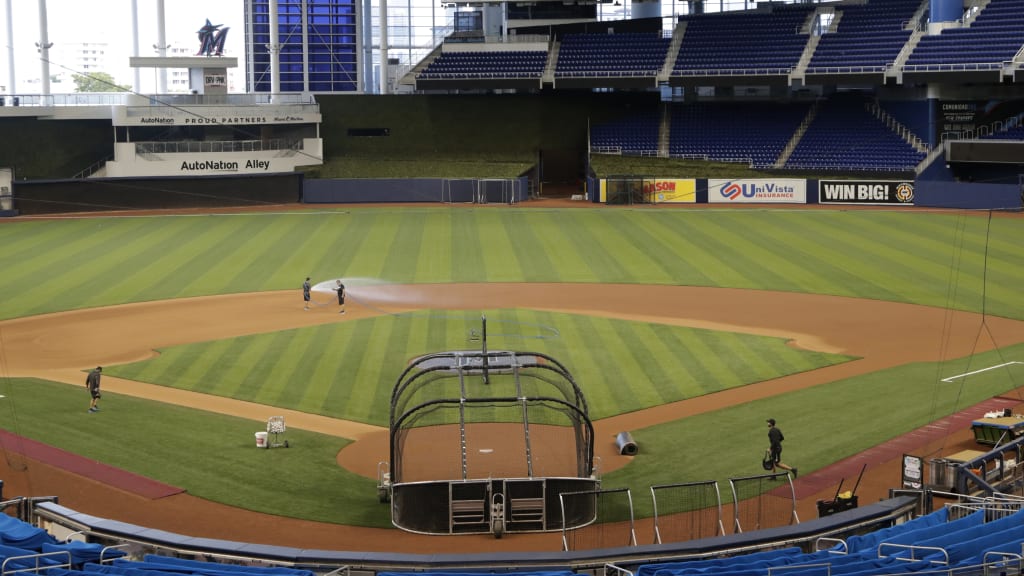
434, 255
586, 242
244, 358
714, 259
531, 233
928, 269
287, 380
669, 231
338, 243
370, 365
262, 356
226, 369
602, 372
640, 258
693, 378
467, 254
175, 267
319, 370
754, 255
797, 255
302, 249
873, 260
260, 259
561, 250
655, 363
400, 259
83, 263
24, 242
667, 261
499, 247
234, 261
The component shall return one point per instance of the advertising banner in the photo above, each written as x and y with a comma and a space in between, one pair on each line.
866, 192
6, 181
757, 190
671, 191
913, 471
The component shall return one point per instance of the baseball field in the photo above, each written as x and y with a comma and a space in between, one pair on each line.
687, 327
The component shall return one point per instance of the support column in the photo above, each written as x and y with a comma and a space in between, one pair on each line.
367, 40
44, 46
645, 9
11, 89
274, 47
161, 47
384, 46
946, 10
136, 72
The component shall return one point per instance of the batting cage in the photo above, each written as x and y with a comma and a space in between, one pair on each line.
485, 442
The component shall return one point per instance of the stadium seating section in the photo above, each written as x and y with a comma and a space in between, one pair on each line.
844, 135
868, 37
749, 132
490, 64
994, 37
744, 42
631, 54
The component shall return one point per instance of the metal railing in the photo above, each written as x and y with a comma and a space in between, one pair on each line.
217, 146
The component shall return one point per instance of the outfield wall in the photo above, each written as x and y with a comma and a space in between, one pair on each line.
365, 190
789, 191
115, 194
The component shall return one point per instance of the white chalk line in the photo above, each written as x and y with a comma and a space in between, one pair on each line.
972, 373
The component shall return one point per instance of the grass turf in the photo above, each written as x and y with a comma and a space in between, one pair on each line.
658, 363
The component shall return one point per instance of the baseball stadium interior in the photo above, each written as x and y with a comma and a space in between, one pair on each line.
850, 102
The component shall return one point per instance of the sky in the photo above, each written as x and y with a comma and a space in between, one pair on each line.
76, 21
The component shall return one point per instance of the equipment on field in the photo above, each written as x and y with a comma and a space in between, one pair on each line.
276, 427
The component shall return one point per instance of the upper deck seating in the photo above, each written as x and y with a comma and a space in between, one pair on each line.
868, 37
743, 42
995, 36
629, 54
489, 64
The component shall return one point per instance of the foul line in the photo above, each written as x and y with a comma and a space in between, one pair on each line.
966, 374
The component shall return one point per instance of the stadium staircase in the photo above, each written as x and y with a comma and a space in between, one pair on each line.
799, 72
673, 52
906, 133
548, 77
664, 130
797, 135
410, 76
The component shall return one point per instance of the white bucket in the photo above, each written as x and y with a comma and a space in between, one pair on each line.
261, 439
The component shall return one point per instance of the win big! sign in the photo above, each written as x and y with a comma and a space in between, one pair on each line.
865, 192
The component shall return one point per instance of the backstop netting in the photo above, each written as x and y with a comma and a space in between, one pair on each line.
765, 501
687, 511
595, 519
625, 190
470, 415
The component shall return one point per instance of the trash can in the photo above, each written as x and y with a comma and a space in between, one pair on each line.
840, 504
261, 439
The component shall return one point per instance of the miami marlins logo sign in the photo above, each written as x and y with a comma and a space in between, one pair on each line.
211, 39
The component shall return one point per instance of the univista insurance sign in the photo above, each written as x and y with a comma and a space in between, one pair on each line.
757, 190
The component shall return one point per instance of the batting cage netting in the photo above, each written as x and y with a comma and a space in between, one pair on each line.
464, 424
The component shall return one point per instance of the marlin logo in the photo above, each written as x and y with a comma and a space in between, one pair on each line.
211, 39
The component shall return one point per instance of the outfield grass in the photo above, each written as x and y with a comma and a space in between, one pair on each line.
926, 258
